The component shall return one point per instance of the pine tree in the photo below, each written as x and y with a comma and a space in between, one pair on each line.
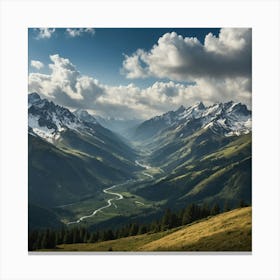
242, 203
174, 222
133, 229
125, 230
155, 226
43, 241
116, 234
60, 236
82, 232
142, 229
215, 209
37, 243
33, 240
86, 236
189, 214
226, 206
180, 217
97, 236
166, 220
67, 239
205, 210
94, 236
51, 240
75, 236
110, 235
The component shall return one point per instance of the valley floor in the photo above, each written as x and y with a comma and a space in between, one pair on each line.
230, 231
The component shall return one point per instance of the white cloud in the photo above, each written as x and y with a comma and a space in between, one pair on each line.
132, 67
187, 59
37, 64
219, 69
74, 32
229, 42
44, 33
64, 84
67, 87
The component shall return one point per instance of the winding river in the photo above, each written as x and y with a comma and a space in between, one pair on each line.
110, 201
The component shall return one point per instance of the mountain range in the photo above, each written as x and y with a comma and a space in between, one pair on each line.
71, 155
199, 154
226, 119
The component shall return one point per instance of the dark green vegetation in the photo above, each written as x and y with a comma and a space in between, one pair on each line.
39, 217
74, 169
215, 174
41, 239
203, 167
197, 234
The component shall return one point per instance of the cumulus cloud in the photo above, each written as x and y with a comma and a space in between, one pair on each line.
44, 33
187, 59
37, 64
67, 87
132, 67
75, 32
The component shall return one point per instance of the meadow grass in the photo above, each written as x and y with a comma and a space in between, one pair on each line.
229, 231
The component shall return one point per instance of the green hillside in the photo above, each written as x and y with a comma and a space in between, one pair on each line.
203, 174
172, 163
63, 175
230, 231
39, 217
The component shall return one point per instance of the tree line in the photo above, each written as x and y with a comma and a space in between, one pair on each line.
50, 238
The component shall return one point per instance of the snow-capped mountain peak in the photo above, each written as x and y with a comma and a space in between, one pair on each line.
33, 98
180, 110
83, 115
199, 106
49, 120
193, 111
226, 119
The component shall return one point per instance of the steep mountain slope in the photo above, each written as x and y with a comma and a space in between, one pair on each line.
219, 172
71, 156
226, 119
39, 217
205, 153
54, 124
58, 176
192, 155
230, 231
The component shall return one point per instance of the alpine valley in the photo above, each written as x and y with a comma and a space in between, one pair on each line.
104, 174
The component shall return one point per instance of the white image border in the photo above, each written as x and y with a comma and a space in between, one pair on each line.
261, 16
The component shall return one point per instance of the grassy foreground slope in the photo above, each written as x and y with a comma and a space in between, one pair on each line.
230, 231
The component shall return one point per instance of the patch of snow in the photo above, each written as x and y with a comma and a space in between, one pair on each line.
42, 131
46, 134
140, 203
221, 122
32, 133
148, 175
73, 125
142, 165
208, 125
232, 118
99, 140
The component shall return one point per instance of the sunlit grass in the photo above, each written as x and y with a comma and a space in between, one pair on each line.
230, 231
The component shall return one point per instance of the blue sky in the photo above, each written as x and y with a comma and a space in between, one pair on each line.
139, 72
101, 54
